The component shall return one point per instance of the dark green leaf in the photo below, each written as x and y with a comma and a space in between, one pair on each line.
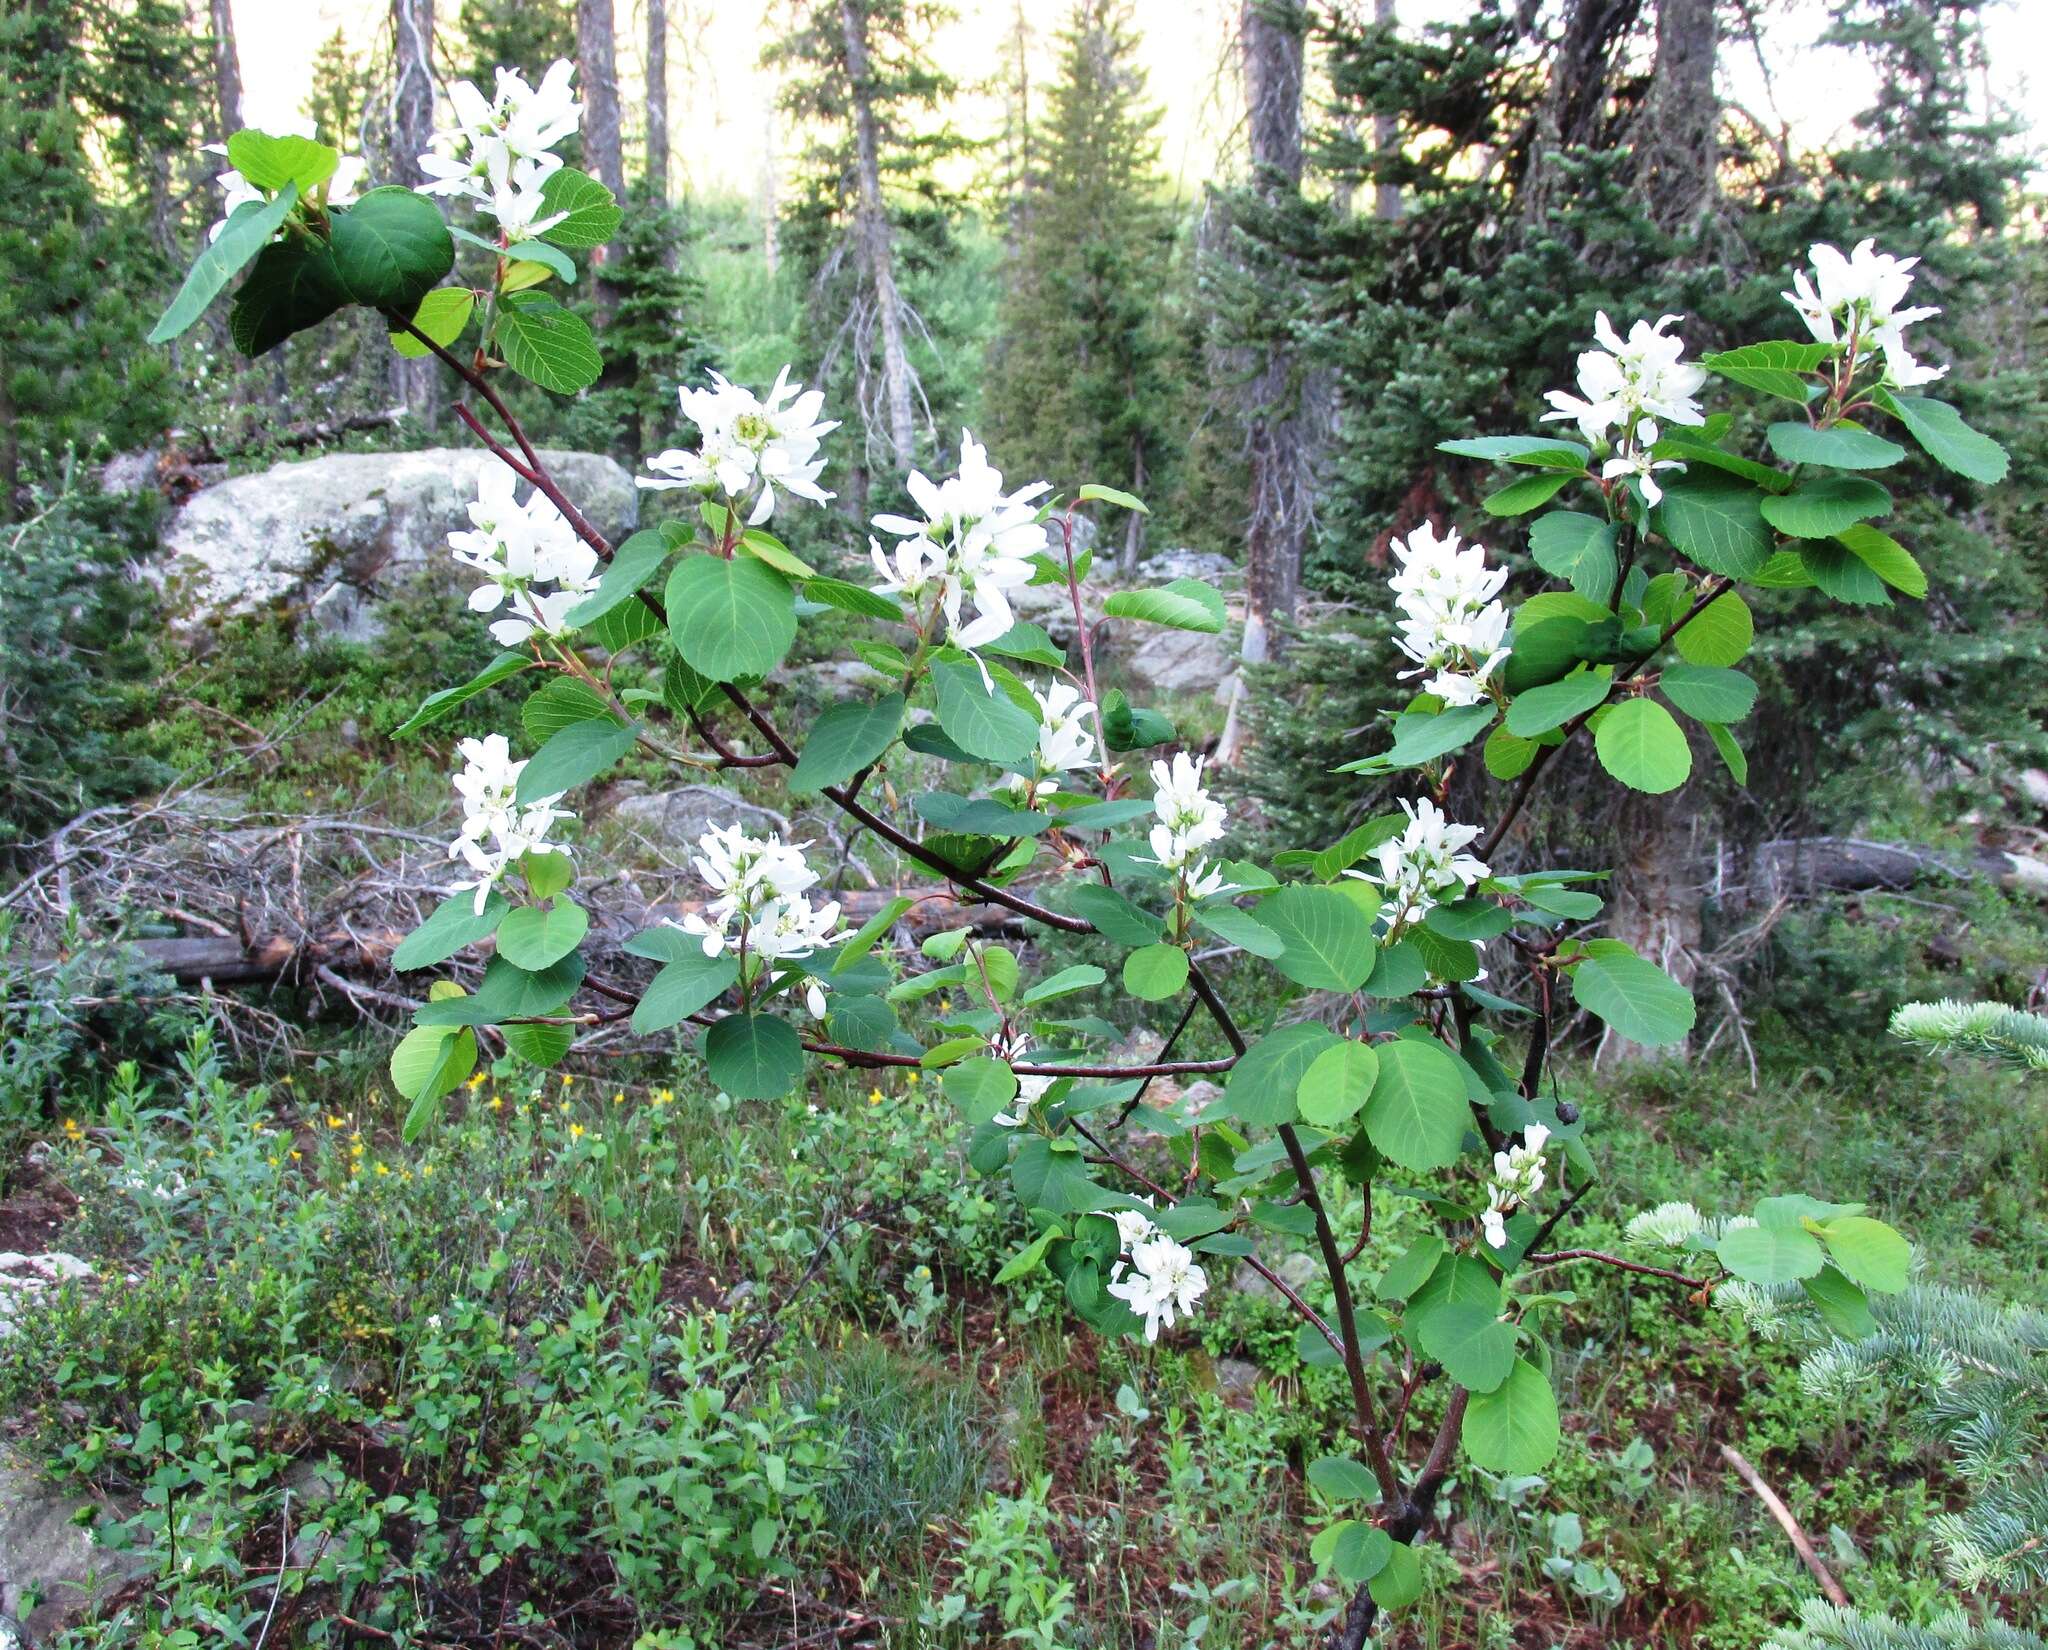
730, 619
753, 1056
578, 753
845, 740
545, 343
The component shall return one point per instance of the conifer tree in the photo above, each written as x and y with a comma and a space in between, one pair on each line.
1076, 381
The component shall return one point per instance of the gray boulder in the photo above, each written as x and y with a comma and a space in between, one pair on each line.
673, 820
332, 536
46, 1554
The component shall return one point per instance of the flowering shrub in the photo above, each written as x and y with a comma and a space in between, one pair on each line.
1414, 1069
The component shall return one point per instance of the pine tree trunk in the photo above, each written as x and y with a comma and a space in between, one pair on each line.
416, 385
227, 69
1134, 524
1271, 38
657, 101
1678, 153
872, 230
597, 69
1386, 135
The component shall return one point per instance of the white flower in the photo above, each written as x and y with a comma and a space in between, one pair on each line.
1010, 1047
1163, 1279
1451, 625
497, 829
519, 205
1189, 817
748, 440
1638, 463
1065, 742
1424, 861
1134, 1226
478, 155
760, 903
1205, 883
520, 547
1639, 377
1517, 1177
1858, 298
970, 546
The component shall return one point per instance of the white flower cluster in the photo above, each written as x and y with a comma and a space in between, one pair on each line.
238, 191
1451, 624
1856, 299
1426, 861
497, 828
1631, 383
1189, 820
518, 547
1065, 742
762, 900
1156, 1277
500, 151
748, 440
1517, 1177
970, 547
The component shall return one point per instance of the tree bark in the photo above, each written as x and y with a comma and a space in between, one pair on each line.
1271, 36
1658, 895
657, 101
871, 226
597, 66
1678, 152
416, 383
1386, 135
227, 69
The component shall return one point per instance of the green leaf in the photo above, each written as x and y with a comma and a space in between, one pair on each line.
1719, 634
441, 315
845, 740
1774, 367
1240, 928
632, 565
1417, 1113
1027, 641
980, 1087
1868, 1253
1843, 1307
454, 926
1112, 495
729, 619
1053, 1175
1641, 745
1578, 549
391, 248
437, 705
870, 931
593, 214
1709, 693
1125, 728
1468, 919
561, 703
1825, 506
1476, 1349
547, 873
545, 343
1886, 557
753, 1056
1399, 1582
1030, 1258
852, 598
1840, 446
538, 1045
1411, 1269
1840, 576
1262, 1085
1508, 755
1716, 523
580, 752
269, 163
429, 1062
1518, 498
1113, 915
508, 992
1556, 703
291, 286
980, 816
1769, 1254
551, 258
1730, 749
1423, 738
1946, 439
983, 720
248, 231
1078, 977
1337, 1084
532, 938
1545, 452
1155, 972
1513, 1429
1326, 941
1343, 1479
681, 987
1632, 994
1185, 604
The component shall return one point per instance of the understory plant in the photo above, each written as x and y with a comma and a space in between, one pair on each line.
1419, 990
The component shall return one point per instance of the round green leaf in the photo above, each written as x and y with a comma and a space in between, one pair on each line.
980, 1087
1642, 745
1326, 940
1709, 693
390, 248
730, 618
1769, 1254
454, 925
753, 1056
1262, 1084
1513, 1429
1361, 1552
1343, 1479
1476, 1349
1719, 634
1337, 1084
1556, 703
1399, 1583
1156, 972
1417, 1114
546, 344
1869, 1253
532, 938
